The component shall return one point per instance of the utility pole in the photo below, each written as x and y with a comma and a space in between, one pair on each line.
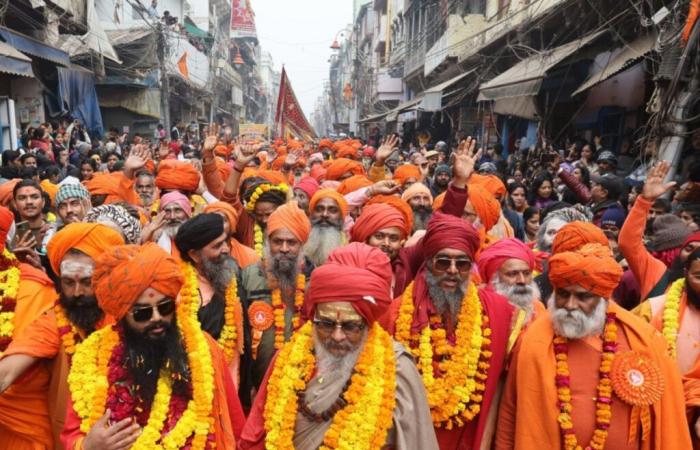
164, 80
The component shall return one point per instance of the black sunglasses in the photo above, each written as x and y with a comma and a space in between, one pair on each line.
329, 326
145, 313
442, 264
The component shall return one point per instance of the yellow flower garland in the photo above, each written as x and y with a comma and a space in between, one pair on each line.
66, 329
279, 309
455, 396
258, 239
366, 419
260, 190
230, 340
9, 286
671, 315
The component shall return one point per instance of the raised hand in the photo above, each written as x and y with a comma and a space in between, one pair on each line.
385, 187
465, 158
291, 159
654, 186
386, 149
245, 154
138, 157
210, 142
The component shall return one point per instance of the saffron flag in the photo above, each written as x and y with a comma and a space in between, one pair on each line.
182, 65
289, 118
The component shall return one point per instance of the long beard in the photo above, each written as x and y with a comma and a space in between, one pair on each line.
577, 324
171, 229
284, 268
518, 295
444, 301
327, 363
82, 311
219, 272
322, 241
421, 217
146, 199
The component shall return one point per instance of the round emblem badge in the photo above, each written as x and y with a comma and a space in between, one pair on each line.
260, 315
636, 379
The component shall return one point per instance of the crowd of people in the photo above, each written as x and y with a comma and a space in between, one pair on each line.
212, 291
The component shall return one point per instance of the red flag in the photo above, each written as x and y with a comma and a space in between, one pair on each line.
289, 116
182, 65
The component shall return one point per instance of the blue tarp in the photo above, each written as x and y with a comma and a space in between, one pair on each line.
26, 44
15, 66
76, 89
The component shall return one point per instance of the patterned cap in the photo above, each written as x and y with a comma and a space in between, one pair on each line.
71, 190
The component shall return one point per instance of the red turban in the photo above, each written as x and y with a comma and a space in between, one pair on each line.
6, 220
122, 274
291, 217
309, 185
355, 273
329, 193
446, 231
178, 175
90, 238
575, 235
692, 238
341, 166
227, 210
354, 183
403, 173
318, 173
491, 183
374, 218
592, 267
401, 206
492, 258
485, 205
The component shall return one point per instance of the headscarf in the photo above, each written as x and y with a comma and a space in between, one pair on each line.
341, 166
695, 237
292, 218
309, 185
492, 258
414, 190
71, 190
179, 199
6, 221
198, 232
592, 267
355, 273
353, 184
90, 238
225, 209
575, 235
374, 218
177, 175
406, 171
398, 204
122, 273
120, 217
490, 182
446, 231
485, 205
329, 193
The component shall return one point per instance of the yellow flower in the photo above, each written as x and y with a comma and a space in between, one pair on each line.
671, 315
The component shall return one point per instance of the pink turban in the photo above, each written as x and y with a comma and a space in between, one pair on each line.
492, 258
309, 185
445, 231
179, 199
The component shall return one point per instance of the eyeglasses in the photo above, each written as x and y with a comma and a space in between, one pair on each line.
443, 263
328, 326
143, 314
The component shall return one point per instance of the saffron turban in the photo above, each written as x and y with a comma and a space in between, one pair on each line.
325, 143
273, 176
347, 152
308, 185
222, 150
416, 189
355, 273
227, 210
354, 183
575, 235
318, 173
278, 162
223, 168
405, 172
341, 166
491, 183
177, 175
329, 193
485, 205
374, 218
6, 221
179, 199
6, 191
592, 267
398, 204
492, 258
292, 218
106, 184
122, 273
446, 231
89, 238
439, 200
51, 189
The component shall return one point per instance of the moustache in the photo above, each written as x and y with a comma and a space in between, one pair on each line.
165, 325
81, 301
425, 209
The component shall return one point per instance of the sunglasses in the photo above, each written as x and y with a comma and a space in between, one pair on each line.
442, 264
328, 326
143, 314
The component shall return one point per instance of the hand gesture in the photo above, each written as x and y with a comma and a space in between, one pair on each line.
291, 159
151, 231
245, 154
212, 138
654, 186
386, 149
106, 436
138, 157
386, 187
25, 249
464, 160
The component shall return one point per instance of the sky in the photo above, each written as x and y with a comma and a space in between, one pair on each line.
298, 34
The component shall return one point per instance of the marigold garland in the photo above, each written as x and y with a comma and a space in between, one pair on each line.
366, 419
279, 308
604, 389
66, 330
258, 239
9, 285
671, 315
454, 375
260, 190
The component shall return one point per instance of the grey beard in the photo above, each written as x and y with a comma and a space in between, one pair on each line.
342, 366
421, 217
285, 270
219, 272
171, 229
322, 241
518, 296
577, 324
445, 302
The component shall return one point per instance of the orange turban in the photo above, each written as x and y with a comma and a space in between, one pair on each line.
347, 151
122, 274
49, 188
291, 217
325, 143
329, 193
485, 205
341, 166
318, 173
374, 218
592, 267
6, 191
227, 210
439, 200
416, 189
90, 238
403, 173
354, 183
178, 175
398, 204
492, 183
273, 176
575, 235
278, 162
222, 150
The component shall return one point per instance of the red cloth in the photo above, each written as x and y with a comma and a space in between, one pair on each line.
6, 220
355, 273
400, 205
374, 218
492, 258
445, 231
692, 238
309, 185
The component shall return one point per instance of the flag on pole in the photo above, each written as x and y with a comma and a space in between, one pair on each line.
182, 65
289, 118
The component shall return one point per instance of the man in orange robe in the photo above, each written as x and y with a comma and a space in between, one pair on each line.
34, 367
137, 285
557, 367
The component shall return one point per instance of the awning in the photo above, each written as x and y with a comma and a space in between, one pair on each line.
374, 118
525, 78
26, 44
14, 62
410, 105
620, 60
141, 101
127, 36
432, 98
195, 31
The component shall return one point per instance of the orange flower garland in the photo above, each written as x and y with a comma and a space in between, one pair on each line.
9, 285
66, 330
279, 308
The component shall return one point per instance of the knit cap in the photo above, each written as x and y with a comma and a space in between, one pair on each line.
669, 231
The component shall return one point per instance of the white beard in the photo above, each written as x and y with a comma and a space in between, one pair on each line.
577, 324
171, 230
327, 363
519, 296
322, 241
